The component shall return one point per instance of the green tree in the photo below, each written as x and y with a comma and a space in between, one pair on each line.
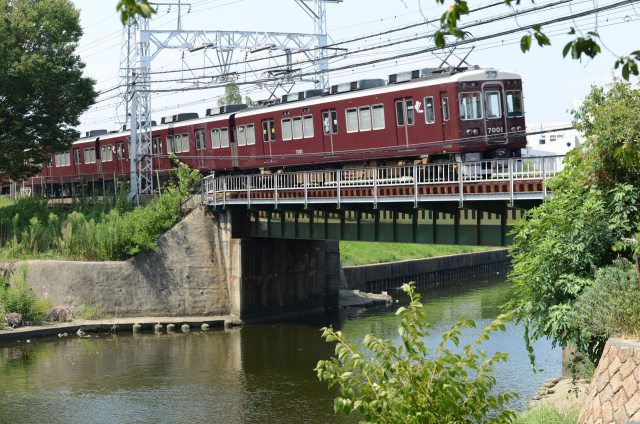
232, 96
42, 90
407, 382
595, 206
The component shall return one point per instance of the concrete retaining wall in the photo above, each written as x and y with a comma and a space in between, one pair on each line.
425, 272
614, 392
186, 276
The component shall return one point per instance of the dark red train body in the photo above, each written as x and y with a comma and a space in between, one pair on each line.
455, 115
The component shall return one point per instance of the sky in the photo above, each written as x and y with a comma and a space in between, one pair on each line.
553, 85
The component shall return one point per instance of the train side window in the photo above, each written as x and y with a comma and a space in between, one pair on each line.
411, 117
224, 137
352, 120
90, 155
286, 129
399, 113
514, 104
156, 145
296, 127
445, 108
241, 135
251, 135
199, 139
215, 138
171, 147
76, 156
364, 118
470, 106
334, 120
377, 113
119, 150
185, 143
106, 154
492, 104
429, 110
307, 121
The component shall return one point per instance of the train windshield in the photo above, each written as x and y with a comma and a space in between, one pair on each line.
492, 104
514, 104
470, 106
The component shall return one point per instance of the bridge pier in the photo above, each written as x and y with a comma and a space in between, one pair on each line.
269, 277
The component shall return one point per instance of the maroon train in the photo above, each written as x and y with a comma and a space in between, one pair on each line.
427, 115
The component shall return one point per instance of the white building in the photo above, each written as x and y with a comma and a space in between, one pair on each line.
552, 138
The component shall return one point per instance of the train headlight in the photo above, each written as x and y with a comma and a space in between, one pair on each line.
469, 132
513, 129
476, 131
519, 128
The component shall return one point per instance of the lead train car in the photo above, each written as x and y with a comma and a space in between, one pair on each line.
460, 114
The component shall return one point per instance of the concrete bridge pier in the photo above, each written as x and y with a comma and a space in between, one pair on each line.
269, 277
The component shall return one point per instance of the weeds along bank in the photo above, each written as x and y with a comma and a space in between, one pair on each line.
109, 230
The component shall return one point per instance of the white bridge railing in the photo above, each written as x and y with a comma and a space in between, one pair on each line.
454, 181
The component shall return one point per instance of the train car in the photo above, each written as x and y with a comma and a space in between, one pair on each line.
424, 115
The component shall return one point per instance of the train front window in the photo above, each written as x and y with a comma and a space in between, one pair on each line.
492, 104
514, 104
470, 106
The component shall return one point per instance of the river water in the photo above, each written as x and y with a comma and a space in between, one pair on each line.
256, 374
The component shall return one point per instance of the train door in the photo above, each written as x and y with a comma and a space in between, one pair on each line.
405, 120
233, 140
495, 118
268, 137
329, 128
445, 113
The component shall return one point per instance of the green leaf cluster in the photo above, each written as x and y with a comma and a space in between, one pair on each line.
411, 383
20, 298
42, 90
558, 250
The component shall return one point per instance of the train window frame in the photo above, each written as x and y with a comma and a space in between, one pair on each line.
186, 146
224, 138
77, 160
251, 135
241, 135
156, 145
307, 126
120, 150
410, 111
296, 128
287, 131
445, 109
326, 123
511, 111
364, 112
347, 112
429, 104
171, 144
215, 138
471, 110
496, 94
200, 139
89, 155
334, 121
374, 108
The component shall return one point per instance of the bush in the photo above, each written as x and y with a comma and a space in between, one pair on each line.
21, 299
409, 383
91, 311
611, 305
547, 415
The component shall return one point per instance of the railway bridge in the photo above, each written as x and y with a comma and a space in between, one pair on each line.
278, 231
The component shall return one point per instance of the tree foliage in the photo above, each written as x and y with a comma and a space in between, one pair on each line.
232, 96
595, 207
407, 382
42, 90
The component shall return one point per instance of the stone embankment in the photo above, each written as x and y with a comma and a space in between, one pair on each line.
561, 394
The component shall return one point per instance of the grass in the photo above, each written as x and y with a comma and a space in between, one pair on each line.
547, 415
91, 311
364, 253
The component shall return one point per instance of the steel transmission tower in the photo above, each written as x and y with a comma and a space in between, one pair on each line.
143, 45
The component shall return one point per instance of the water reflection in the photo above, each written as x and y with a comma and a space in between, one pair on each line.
257, 374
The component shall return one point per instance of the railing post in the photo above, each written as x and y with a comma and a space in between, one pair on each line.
511, 180
248, 184
375, 187
338, 174
544, 177
305, 181
415, 185
224, 192
275, 189
460, 183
